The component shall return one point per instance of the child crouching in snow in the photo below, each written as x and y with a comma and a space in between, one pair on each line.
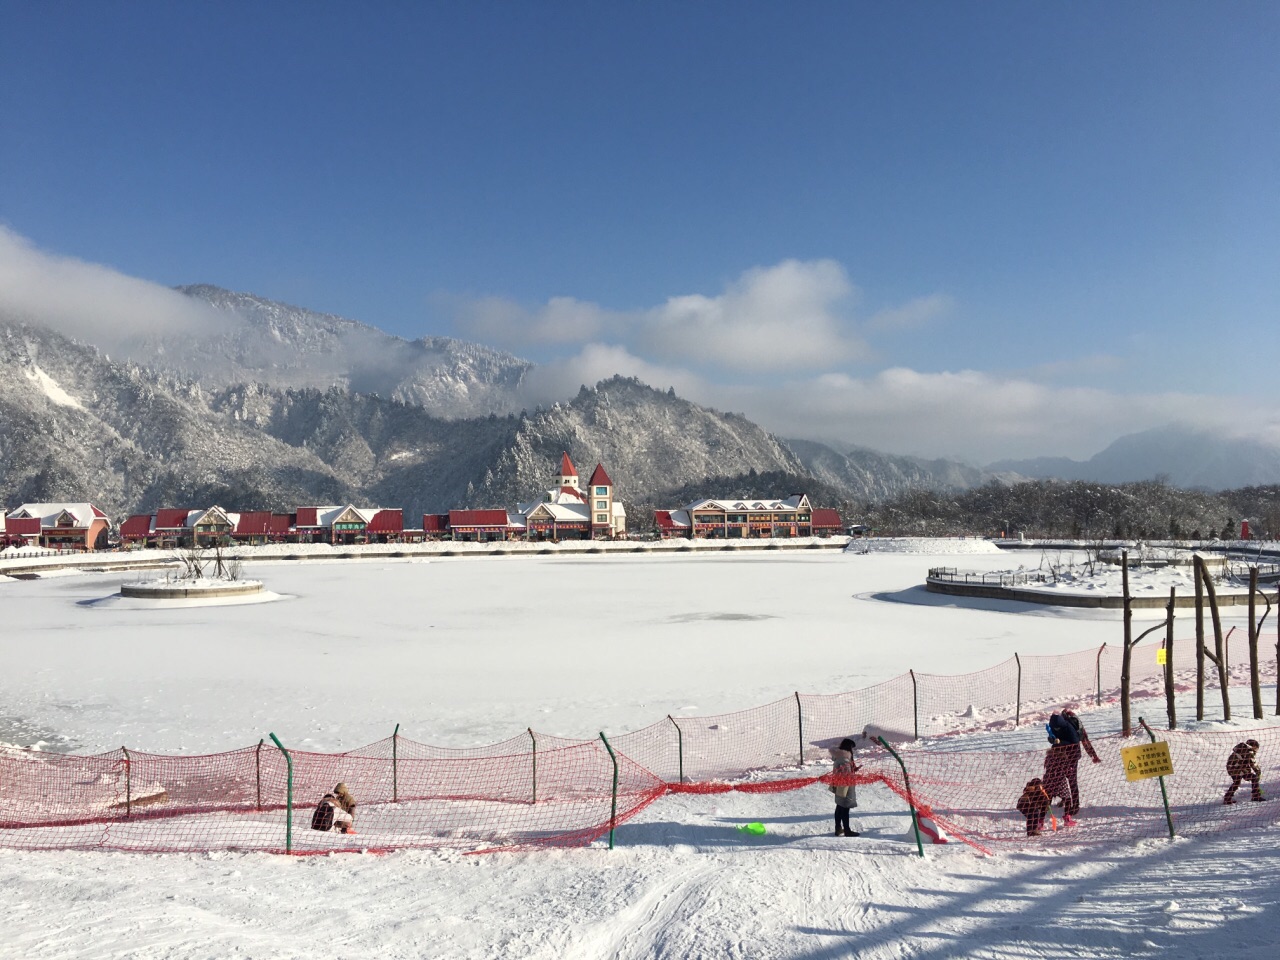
1034, 805
336, 811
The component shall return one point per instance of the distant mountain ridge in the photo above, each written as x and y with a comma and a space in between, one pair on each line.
79, 426
1184, 456
287, 406
869, 476
293, 347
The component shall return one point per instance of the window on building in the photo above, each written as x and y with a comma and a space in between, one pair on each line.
602, 518
602, 504
602, 491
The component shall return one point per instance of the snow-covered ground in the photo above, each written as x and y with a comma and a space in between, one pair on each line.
465, 651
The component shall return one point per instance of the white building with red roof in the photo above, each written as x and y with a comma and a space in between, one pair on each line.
730, 519
568, 511
77, 526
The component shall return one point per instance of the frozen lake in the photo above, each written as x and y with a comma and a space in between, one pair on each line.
467, 651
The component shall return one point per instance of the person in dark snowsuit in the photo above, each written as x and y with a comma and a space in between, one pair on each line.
1034, 805
336, 811
1243, 765
846, 794
1068, 735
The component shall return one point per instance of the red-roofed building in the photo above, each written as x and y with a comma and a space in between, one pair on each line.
61, 526
435, 526
733, 519
827, 523
170, 527
22, 531
138, 530
479, 525
281, 528
253, 527
387, 526
567, 511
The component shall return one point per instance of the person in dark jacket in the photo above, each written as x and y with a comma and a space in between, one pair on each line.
1067, 735
1034, 805
1243, 765
846, 793
335, 811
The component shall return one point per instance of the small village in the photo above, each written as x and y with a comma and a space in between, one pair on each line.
566, 510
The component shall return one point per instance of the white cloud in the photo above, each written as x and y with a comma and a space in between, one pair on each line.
967, 414
561, 379
785, 317
782, 317
912, 315
499, 321
92, 302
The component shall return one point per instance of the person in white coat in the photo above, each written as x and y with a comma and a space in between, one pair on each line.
846, 793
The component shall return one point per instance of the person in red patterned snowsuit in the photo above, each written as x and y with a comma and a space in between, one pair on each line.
1243, 765
1068, 735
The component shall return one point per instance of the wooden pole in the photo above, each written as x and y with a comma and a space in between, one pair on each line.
1219, 656
1255, 684
1126, 723
1199, 642
1170, 707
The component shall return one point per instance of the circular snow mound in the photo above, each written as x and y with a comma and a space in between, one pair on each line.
922, 545
190, 589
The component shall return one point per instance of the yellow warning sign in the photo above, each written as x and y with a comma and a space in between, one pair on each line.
1147, 760
1162, 656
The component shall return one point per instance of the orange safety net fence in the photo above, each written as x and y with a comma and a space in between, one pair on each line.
975, 795
562, 795
536, 790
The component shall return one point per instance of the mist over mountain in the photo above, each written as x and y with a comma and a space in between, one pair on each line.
870, 476
1184, 456
280, 406
80, 426
291, 347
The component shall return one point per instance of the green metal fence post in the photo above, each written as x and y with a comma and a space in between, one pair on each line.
257, 769
911, 800
1164, 794
1017, 708
679, 745
288, 821
534, 740
613, 810
915, 705
800, 725
1098, 675
128, 783
395, 765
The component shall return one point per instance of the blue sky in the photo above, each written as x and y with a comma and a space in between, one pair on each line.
931, 227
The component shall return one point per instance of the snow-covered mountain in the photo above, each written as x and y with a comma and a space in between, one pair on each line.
870, 476
1184, 456
292, 347
80, 426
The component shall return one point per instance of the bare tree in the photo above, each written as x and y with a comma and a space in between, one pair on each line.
1219, 656
1255, 632
194, 558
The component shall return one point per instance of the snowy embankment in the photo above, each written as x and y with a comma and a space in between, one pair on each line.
469, 651
923, 546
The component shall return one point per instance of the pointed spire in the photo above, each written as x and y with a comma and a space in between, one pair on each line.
599, 478
566, 466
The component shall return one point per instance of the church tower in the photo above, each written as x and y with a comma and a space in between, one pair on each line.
568, 476
600, 499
